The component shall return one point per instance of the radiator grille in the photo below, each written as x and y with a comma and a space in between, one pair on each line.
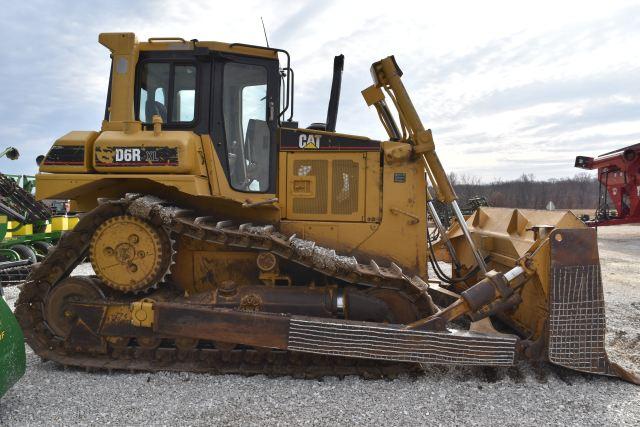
317, 204
345, 187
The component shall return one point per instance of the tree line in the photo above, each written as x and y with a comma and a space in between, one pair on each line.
579, 192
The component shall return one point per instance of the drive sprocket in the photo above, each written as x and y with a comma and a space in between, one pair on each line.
130, 254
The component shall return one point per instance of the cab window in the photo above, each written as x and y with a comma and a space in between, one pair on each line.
167, 90
247, 134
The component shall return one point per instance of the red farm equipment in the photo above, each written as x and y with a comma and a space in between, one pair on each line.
619, 190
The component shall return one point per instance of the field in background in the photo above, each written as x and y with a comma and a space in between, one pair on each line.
579, 192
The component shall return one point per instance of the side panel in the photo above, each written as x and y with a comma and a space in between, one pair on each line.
401, 235
398, 235
373, 188
326, 186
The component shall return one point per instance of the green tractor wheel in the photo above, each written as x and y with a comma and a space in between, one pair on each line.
8, 255
25, 252
41, 247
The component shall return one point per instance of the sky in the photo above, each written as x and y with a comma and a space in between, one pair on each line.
506, 87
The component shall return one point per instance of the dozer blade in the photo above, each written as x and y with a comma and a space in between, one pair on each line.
560, 312
577, 321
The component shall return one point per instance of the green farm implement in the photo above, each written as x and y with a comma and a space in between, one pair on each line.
12, 354
28, 228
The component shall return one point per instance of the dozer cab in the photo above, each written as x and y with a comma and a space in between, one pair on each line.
226, 238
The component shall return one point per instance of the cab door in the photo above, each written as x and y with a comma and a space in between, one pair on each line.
245, 94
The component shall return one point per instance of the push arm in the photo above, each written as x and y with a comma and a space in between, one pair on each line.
386, 76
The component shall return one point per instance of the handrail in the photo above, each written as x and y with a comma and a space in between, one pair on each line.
166, 39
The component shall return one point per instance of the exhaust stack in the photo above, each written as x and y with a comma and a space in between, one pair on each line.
334, 99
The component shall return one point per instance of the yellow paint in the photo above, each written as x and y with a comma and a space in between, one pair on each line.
24, 230
142, 313
60, 223
84, 189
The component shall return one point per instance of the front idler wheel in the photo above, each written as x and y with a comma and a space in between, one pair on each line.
58, 307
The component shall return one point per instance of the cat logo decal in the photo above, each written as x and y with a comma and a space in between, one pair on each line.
309, 141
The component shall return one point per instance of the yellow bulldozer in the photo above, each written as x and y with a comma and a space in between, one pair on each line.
226, 238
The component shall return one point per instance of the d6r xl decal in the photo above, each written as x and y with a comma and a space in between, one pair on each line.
136, 156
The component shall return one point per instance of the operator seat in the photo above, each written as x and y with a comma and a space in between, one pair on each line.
258, 148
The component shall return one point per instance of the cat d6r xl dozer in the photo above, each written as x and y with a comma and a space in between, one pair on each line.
225, 238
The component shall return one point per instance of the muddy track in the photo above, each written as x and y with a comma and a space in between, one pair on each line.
73, 247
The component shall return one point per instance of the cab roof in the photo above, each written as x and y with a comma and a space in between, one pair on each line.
127, 43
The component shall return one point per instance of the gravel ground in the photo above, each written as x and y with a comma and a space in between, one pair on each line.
522, 395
